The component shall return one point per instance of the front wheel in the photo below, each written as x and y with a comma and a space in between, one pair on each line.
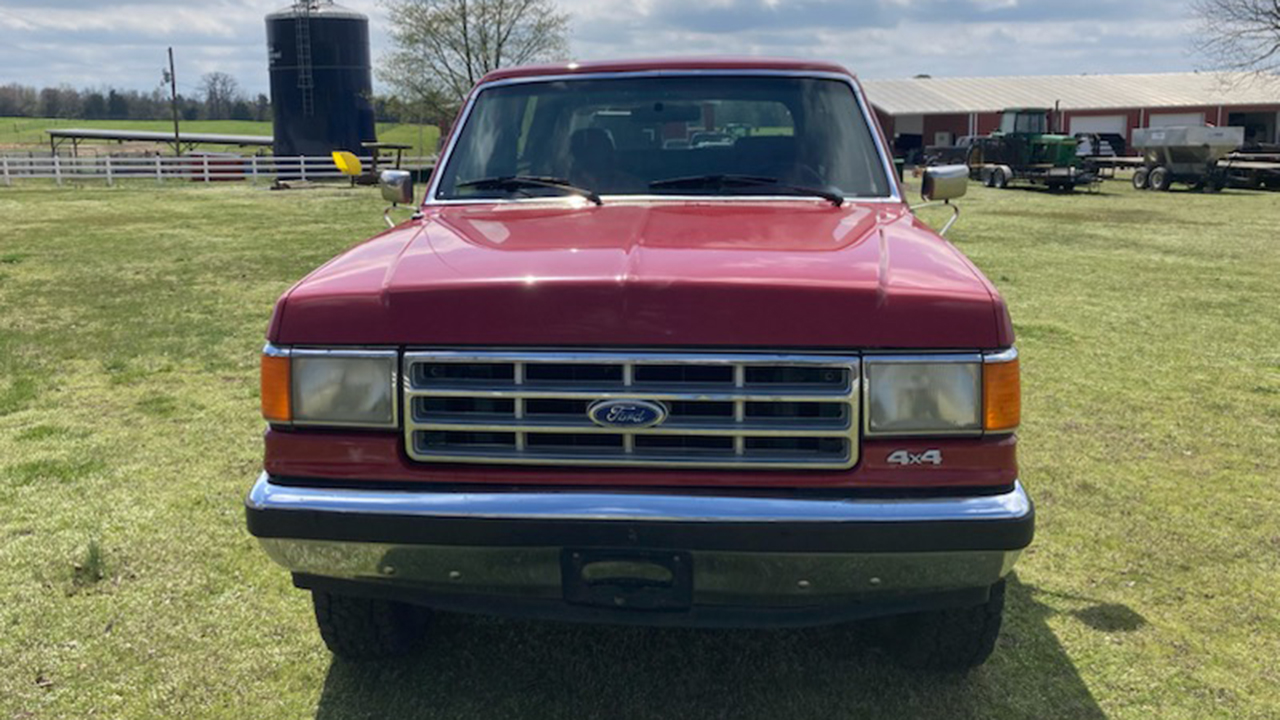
359, 628
952, 640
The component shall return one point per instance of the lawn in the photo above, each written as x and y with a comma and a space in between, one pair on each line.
131, 317
22, 131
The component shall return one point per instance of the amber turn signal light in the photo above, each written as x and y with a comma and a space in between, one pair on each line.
1001, 396
276, 405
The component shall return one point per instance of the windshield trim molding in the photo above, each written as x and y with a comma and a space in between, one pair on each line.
886, 162
659, 198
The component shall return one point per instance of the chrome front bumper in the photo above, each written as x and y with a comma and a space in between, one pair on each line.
745, 550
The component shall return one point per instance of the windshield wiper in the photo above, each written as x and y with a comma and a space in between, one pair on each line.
515, 182
721, 181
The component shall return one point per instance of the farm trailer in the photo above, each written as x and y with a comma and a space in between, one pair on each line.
1200, 157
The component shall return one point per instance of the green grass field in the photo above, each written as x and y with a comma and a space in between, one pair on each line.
131, 319
19, 131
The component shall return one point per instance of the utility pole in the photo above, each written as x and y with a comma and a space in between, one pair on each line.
173, 99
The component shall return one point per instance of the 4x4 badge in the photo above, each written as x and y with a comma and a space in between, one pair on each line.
904, 457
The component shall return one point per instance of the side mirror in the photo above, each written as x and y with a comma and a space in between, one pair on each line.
397, 186
944, 182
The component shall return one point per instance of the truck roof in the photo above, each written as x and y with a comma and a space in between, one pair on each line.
677, 63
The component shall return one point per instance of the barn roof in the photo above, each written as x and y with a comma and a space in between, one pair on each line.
932, 96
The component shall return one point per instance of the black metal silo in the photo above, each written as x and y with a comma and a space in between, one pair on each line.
321, 79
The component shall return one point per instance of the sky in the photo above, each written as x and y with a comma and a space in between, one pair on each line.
123, 42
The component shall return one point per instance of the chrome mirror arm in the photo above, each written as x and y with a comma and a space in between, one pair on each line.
955, 213
386, 214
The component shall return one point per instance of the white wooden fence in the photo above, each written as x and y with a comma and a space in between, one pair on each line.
194, 168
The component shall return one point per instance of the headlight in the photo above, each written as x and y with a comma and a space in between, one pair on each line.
329, 387
942, 394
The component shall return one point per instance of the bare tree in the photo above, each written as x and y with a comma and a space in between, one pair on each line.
442, 47
220, 92
1241, 35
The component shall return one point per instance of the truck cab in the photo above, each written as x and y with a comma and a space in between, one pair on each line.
610, 373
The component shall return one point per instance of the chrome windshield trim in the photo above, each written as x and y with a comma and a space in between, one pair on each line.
669, 72
562, 505
574, 202
886, 161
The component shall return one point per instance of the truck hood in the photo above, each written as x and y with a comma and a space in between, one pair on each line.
751, 274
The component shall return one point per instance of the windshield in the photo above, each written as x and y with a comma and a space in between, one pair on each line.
1023, 122
637, 135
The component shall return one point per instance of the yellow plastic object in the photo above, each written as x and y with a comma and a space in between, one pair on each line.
347, 163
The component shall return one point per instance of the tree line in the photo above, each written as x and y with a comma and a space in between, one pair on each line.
222, 101
218, 98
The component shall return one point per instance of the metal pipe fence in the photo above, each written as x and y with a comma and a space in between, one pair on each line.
194, 168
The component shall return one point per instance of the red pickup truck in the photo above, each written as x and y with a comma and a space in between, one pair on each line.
609, 373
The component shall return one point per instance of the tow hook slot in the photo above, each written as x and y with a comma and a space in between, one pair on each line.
628, 579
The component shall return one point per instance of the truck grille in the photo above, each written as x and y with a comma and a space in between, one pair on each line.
722, 410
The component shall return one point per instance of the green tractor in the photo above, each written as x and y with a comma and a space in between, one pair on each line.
1024, 149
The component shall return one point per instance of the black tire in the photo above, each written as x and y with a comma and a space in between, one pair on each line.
1161, 179
990, 179
999, 179
952, 640
1140, 177
359, 628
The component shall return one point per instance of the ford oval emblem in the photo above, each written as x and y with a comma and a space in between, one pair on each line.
627, 414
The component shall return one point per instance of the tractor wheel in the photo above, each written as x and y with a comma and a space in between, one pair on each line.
1161, 179
999, 179
1140, 178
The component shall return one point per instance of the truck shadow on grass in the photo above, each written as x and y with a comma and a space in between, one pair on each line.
489, 668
